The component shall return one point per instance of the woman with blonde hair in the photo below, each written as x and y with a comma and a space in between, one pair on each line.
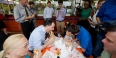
16, 46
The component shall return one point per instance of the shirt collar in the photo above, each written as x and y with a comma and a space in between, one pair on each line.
49, 7
21, 6
43, 29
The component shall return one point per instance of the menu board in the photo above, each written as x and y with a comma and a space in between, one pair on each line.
46, 0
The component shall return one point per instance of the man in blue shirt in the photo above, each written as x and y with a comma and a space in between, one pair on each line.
83, 37
60, 15
37, 37
48, 11
107, 13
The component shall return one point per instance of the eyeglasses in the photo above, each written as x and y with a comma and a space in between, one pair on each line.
25, 46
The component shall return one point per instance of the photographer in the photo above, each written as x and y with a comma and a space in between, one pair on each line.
60, 15
93, 22
105, 14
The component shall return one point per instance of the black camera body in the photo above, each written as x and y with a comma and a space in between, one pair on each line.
100, 28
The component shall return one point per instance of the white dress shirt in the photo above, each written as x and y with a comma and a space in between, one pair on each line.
94, 19
37, 38
20, 13
48, 12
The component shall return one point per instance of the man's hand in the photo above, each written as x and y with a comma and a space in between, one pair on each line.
60, 10
37, 53
91, 22
33, 15
29, 17
51, 34
50, 41
52, 37
83, 50
98, 20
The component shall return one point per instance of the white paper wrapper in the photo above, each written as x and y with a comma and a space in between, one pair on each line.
58, 44
65, 52
76, 54
49, 54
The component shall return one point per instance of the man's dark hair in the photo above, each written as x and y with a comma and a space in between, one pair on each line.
73, 29
48, 2
31, 2
60, 1
111, 28
100, 1
48, 22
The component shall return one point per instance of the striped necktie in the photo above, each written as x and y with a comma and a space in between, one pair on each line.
27, 14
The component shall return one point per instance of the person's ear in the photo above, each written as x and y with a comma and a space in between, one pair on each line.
47, 26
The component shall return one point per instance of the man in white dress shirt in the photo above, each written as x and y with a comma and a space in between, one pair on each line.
48, 11
38, 36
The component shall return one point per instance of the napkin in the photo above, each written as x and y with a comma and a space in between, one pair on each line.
58, 44
52, 55
75, 45
46, 55
76, 54
64, 52
56, 38
49, 54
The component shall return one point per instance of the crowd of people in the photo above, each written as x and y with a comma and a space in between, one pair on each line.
93, 43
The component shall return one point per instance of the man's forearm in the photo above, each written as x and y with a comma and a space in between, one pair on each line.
45, 45
48, 43
26, 18
62, 14
98, 20
29, 17
57, 13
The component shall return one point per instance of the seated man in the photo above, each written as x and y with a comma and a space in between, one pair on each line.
38, 35
83, 37
109, 43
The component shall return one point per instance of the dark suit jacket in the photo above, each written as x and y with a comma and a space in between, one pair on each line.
3, 37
